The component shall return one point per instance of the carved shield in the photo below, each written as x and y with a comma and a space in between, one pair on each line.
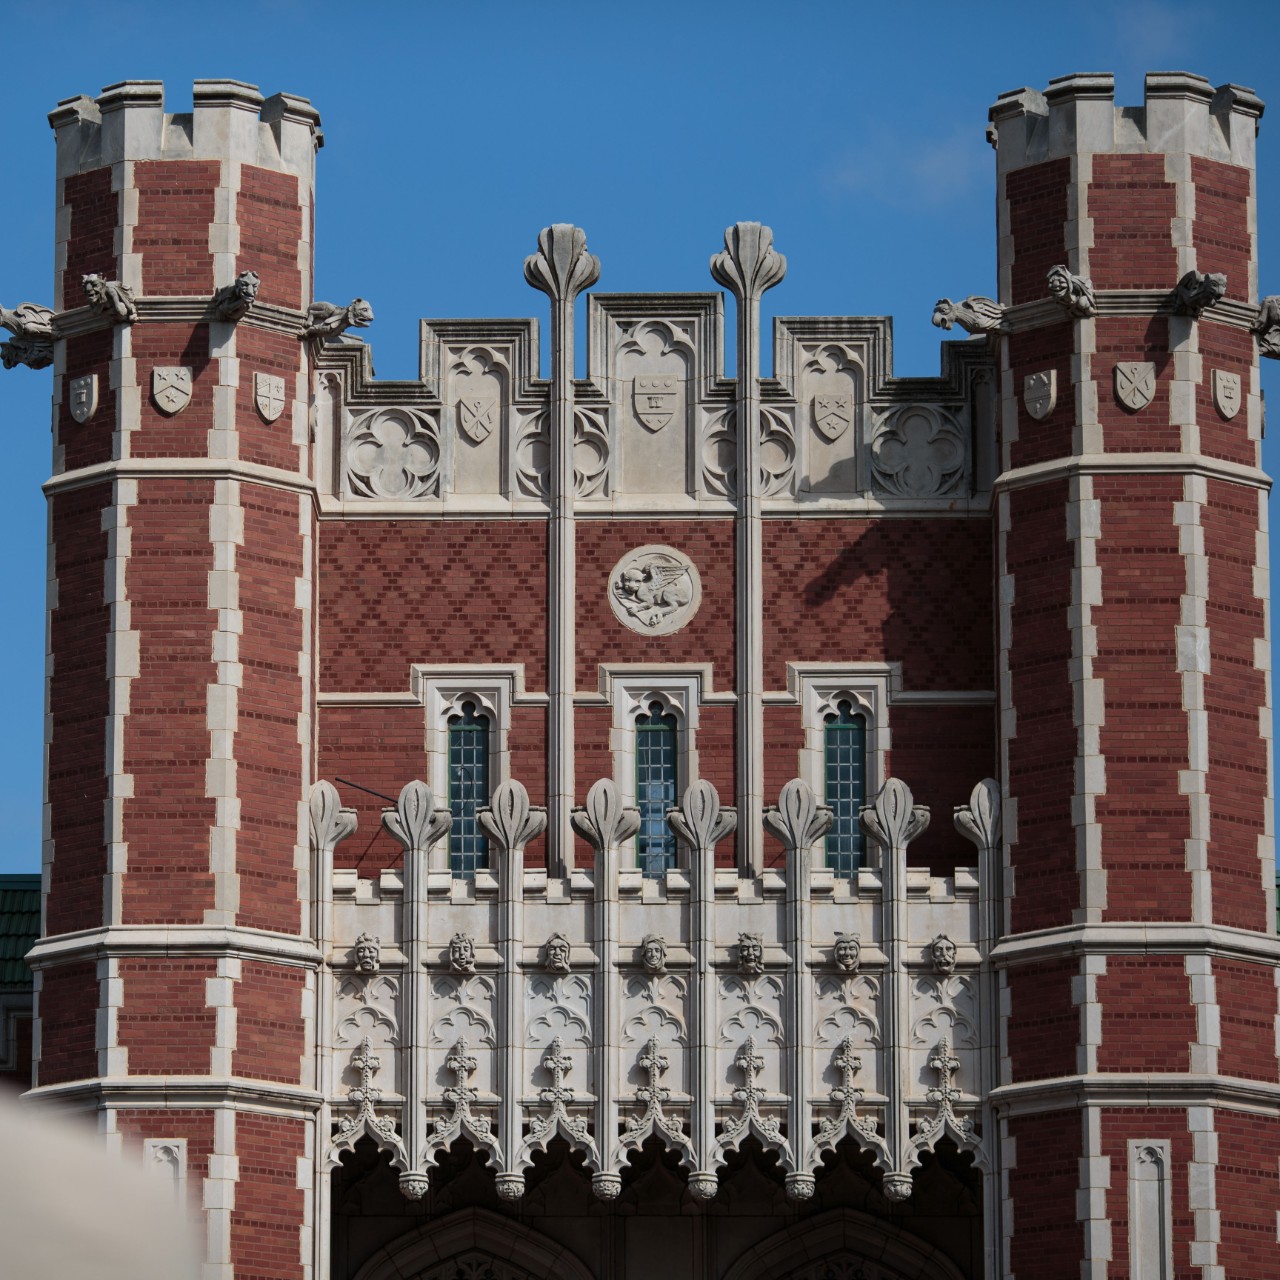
654, 396
1135, 383
477, 417
84, 397
171, 388
268, 395
832, 415
1040, 393
1226, 393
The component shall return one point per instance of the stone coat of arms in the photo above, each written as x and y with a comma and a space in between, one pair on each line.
1040, 393
1135, 383
171, 388
268, 395
1226, 393
832, 415
477, 417
84, 397
654, 396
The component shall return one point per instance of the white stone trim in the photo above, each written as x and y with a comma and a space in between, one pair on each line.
1084, 995
1204, 997
172, 1170
112, 1059
1262, 663
1006, 592
1202, 1193
219, 1197
1091, 1198
1008, 1163
304, 601
1150, 1209
220, 995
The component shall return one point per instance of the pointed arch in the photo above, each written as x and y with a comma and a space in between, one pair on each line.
842, 1235
516, 1251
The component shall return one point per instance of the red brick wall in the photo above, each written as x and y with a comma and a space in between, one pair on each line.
85, 444
717, 763
95, 210
1230, 350
528, 743
1149, 429
1047, 1240
260, 351
166, 734
186, 434
268, 1213
1037, 197
1044, 1024
175, 208
165, 1021
1220, 231
1247, 1000
270, 221
1148, 1020
195, 1126
1145, 820
1034, 352
391, 594
917, 592
68, 1023
270, 1039
1233, 692
1042, 755
1248, 1191
78, 705
1131, 205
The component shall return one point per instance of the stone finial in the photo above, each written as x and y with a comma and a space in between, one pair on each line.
32, 329
979, 820
974, 314
231, 303
562, 267
1267, 326
1072, 292
328, 320
415, 821
749, 264
330, 822
109, 298
798, 820
604, 822
367, 953
653, 953
1196, 293
509, 819
700, 821
894, 820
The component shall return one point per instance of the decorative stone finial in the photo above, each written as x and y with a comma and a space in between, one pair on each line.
604, 821
1267, 326
700, 821
330, 822
798, 820
415, 821
1072, 292
32, 329
110, 298
231, 303
327, 320
749, 263
562, 267
1196, 293
974, 314
509, 819
894, 820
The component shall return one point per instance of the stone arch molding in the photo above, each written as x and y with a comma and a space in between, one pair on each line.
474, 1242
843, 1245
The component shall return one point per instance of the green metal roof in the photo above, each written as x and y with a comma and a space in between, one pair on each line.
19, 927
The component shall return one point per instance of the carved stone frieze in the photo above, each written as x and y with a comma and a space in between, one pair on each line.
533, 455
1072, 292
777, 453
719, 454
393, 454
367, 1007
557, 1121
461, 1122
918, 451
654, 590
365, 1121
590, 454
750, 1095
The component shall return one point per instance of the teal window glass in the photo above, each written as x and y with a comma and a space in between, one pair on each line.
468, 789
656, 749
845, 766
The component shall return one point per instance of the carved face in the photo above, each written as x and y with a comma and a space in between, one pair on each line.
558, 953
360, 313
750, 953
943, 951
1059, 283
462, 953
944, 313
653, 953
95, 289
848, 951
247, 284
367, 953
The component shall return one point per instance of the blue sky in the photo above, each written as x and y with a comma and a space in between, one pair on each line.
455, 131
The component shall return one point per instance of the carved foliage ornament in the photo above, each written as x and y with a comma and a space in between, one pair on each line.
918, 452
654, 590
1040, 393
1135, 383
1226, 393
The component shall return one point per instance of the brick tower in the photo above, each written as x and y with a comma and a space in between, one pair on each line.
176, 974
1138, 983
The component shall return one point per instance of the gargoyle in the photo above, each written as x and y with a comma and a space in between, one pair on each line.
232, 302
1074, 293
1267, 326
974, 314
32, 329
1196, 293
110, 298
328, 320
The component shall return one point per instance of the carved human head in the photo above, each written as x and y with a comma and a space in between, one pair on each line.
557, 952
359, 314
848, 952
943, 953
653, 953
1059, 282
95, 288
367, 953
750, 953
462, 953
247, 285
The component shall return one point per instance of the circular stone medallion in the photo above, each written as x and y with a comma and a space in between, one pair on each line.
654, 590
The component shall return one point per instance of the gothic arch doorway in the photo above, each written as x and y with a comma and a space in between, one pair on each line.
843, 1245
473, 1244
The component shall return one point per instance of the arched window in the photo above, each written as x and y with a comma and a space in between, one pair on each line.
468, 789
656, 780
845, 775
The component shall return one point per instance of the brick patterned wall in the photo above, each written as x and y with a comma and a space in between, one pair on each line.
270, 1037
175, 208
95, 210
1037, 197
1144, 818
1047, 1239
1042, 756
709, 637
68, 1007
269, 777
268, 1213
1044, 1024
1230, 350
1131, 205
186, 434
165, 1022
1149, 429
270, 220
528, 743
390, 594
166, 734
259, 351
78, 707
1220, 231
85, 444
1233, 692
1246, 996
1033, 352
862, 590
1248, 1191
1148, 1020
